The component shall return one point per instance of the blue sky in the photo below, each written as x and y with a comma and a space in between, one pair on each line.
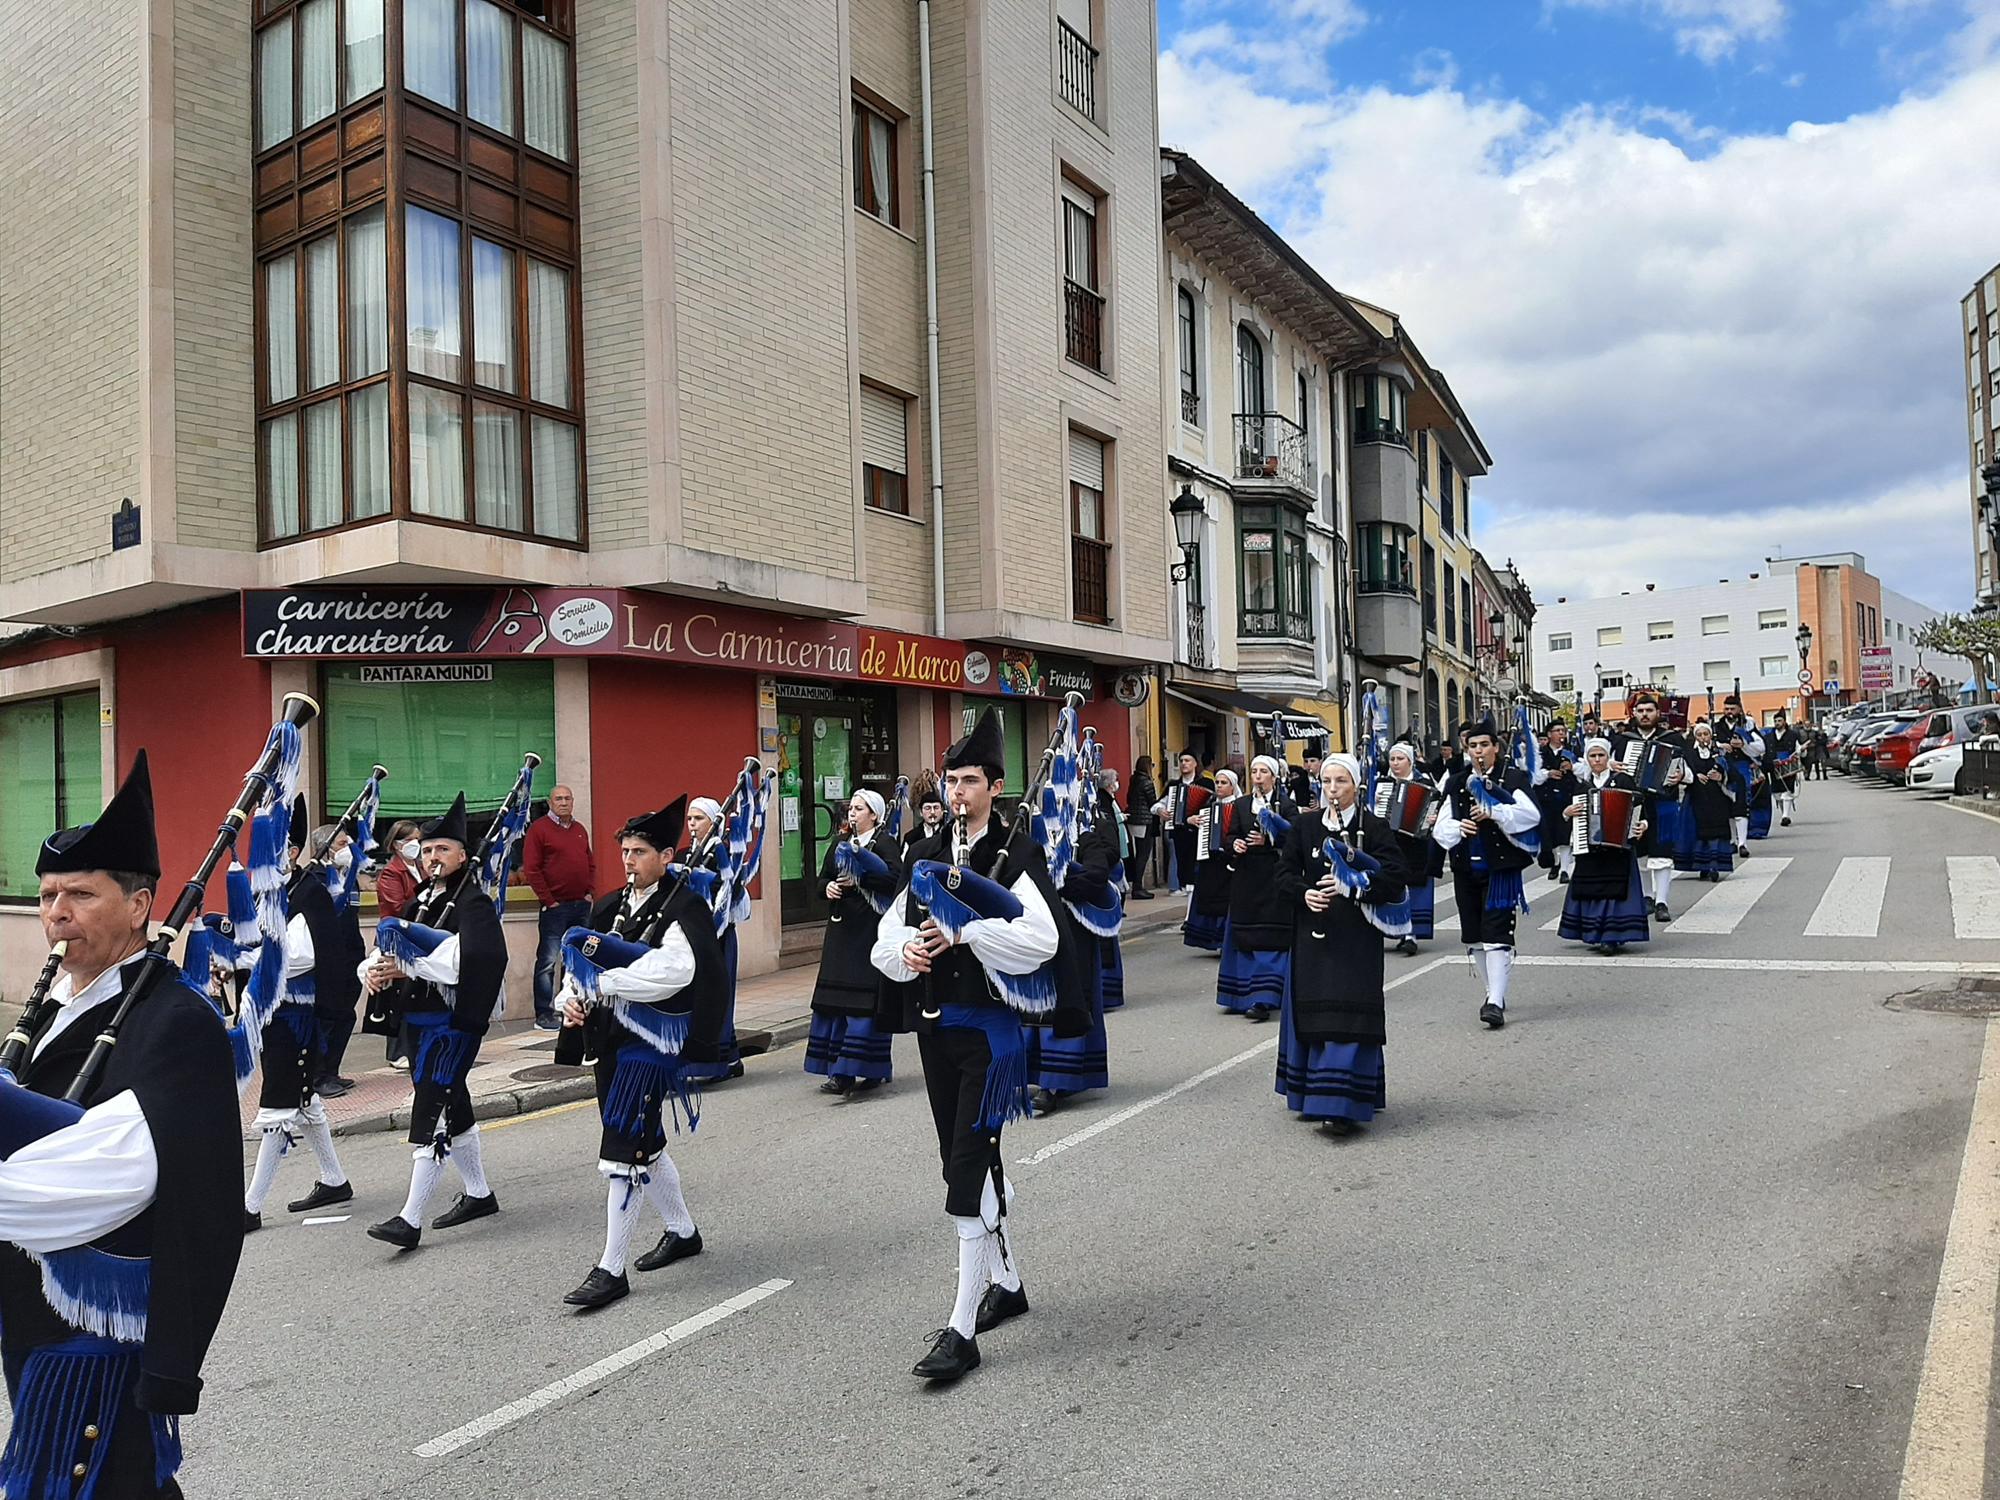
1676, 256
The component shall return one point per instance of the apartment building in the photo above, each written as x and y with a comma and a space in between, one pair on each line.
1981, 309
1741, 632
1503, 641
554, 375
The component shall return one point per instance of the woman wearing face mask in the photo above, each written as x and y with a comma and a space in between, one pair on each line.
398, 880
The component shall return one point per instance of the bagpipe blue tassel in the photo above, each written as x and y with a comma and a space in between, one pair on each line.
64, 1388
166, 1448
1529, 842
1504, 891
406, 942
1104, 921
1006, 1094
1274, 827
242, 1053
26, 1116
641, 1077
1391, 919
1353, 869
96, 1292
444, 1055
863, 865
956, 898
664, 1031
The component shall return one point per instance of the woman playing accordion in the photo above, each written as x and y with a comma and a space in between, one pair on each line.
1408, 801
1605, 903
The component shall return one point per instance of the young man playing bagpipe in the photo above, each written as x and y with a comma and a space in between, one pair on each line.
645, 998
971, 937
1490, 827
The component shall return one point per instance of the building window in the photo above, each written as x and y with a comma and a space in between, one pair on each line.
1447, 519
1562, 684
1423, 460
1660, 630
1381, 410
1715, 624
1465, 620
1251, 399
1090, 536
52, 751
1385, 559
885, 450
1430, 593
1450, 605
1611, 635
1560, 642
1083, 286
1773, 619
1660, 677
1275, 583
1076, 58
1772, 666
1471, 713
1612, 680
1306, 413
1190, 347
1715, 671
877, 173
1431, 715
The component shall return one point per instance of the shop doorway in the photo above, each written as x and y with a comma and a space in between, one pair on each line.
830, 742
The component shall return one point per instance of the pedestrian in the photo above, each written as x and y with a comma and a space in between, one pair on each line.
562, 872
1605, 905
1257, 936
397, 881
852, 1020
1141, 824
930, 810
1489, 827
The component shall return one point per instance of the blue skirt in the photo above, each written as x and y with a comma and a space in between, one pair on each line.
1202, 932
728, 1056
1760, 821
1423, 909
1708, 855
1250, 977
1112, 962
1329, 1080
1601, 920
848, 1047
1069, 1065
1673, 827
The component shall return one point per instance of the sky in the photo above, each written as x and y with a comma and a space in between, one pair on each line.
1693, 267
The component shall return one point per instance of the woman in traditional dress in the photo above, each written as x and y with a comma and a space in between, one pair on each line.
1748, 782
1257, 938
704, 852
851, 1022
1333, 1028
1552, 796
1605, 904
1421, 856
1208, 905
1712, 802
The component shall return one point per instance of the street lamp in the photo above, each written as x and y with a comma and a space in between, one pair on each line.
1804, 638
1188, 513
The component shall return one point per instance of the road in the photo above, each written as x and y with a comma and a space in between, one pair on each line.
1675, 1232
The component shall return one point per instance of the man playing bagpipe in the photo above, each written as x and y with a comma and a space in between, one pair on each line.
1667, 831
1257, 938
645, 997
459, 968
1745, 767
1071, 1054
118, 1212
1782, 747
1490, 827
853, 1019
973, 953
1605, 904
293, 1054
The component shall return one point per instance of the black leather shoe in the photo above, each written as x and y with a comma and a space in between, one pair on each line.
599, 1289
735, 1070
1563, 878
951, 1356
1142, 895
1493, 1015
1408, 947
1784, 822
1043, 1102
321, 1195
1661, 913
252, 1222
836, 1085
333, 1088
1259, 1012
398, 1231
670, 1249
464, 1210
998, 1305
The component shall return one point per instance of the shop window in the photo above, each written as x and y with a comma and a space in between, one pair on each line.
54, 779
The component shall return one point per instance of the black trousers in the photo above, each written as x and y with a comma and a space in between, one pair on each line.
434, 1099
1475, 923
337, 1029
955, 1061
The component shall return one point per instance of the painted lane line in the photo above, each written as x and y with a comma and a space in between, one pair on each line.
327, 1219
1098, 1127
1975, 895
1759, 965
1852, 905
1946, 1455
1723, 909
595, 1375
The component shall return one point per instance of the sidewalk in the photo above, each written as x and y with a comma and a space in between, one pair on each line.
516, 1073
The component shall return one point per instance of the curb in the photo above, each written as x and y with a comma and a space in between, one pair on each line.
527, 1098
1979, 805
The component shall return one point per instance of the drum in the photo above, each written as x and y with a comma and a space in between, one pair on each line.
1610, 814
1648, 762
1409, 807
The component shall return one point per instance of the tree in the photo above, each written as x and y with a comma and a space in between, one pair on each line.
1972, 638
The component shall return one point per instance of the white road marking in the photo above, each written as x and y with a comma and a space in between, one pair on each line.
1975, 895
1852, 905
1119, 1117
1723, 909
1946, 1455
597, 1374
327, 1219
1758, 965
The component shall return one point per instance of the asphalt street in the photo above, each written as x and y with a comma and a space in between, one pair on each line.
1675, 1232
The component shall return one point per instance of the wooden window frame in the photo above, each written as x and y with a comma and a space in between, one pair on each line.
888, 208
885, 490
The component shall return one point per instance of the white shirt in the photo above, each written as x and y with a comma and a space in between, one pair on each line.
658, 974
1019, 946
298, 948
79, 1183
1517, 816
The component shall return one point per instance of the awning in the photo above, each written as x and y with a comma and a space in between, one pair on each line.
1227, 701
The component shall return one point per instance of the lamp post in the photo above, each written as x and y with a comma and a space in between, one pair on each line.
1804, 638
1493, 649
1188, 513
1989, 513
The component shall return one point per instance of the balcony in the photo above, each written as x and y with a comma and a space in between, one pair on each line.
1090, 580
1276, 450
1191, 408
1196, 652
1384, 477
1083, 325
1388, 624
1273, 625
1076, 68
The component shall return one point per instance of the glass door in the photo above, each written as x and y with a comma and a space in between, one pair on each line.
815, 779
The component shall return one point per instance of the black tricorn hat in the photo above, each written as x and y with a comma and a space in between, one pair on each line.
661, 829
985, 747
295, 835
450, 826
122, 838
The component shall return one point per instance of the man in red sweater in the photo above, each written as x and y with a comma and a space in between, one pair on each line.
560, 869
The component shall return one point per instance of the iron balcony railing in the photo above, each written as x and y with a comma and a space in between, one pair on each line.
1077, 67
1269, 446
1083, 324
1090, 571
1191, 408
1197, 634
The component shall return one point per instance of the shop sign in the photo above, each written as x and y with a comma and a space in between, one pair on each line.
444, 671
1029, 674
1130, 689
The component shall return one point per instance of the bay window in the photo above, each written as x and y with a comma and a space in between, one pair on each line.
1385, 559
1273, 579
1381, 410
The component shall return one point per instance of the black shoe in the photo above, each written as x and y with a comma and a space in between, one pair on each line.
836, 1085
1043, 1101
599, 1289
672, 1247
1493, 1015
1743, 851
998, 1305
951, 1356
1408, 947
1339, 1126
735, 1070
398, 1231
332, 1087
252, 1222
1660, 912
1142, 896
1259, 1012
321, 1196
464, 1210
1562, 878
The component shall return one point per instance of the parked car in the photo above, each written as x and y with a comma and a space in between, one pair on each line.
1867, 744
1939, 770
1895, 751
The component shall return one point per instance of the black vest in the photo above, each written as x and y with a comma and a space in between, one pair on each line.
957, 977
706, 998
1501, 852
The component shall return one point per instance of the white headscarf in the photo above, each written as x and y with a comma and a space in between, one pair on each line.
1406, 748
1347, 763
709, 806
1275, 766
873, 802
1597, 742
1235, 786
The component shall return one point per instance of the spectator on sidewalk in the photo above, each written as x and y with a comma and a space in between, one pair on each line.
557, 863
398, 880
1140, 825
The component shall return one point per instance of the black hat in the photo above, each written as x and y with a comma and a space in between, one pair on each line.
122, 838
985, 748
450, 826
932, 793
661, 829
296, 834
1485, 726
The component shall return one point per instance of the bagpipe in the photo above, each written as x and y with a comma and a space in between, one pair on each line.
589, 955
856, 865
1354, 870
27, 1116
1374, 737
725, 890
358, 823
1096, 901
899, 808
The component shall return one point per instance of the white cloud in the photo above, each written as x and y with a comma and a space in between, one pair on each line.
1765, 334
1710, 29
1281, 42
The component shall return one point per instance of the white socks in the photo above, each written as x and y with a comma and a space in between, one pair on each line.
270, 1151
1565, 859
972, 1278
1788, 804
621, 1216
319, 1136
277, 1145
1663, 881
1495, 964
471, 1170
1739, 831
425, 1170
1002, 1267
663, 1186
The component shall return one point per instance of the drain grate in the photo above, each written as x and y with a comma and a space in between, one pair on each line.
544, 1072
1977, 998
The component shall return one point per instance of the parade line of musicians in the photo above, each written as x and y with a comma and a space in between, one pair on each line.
993, 939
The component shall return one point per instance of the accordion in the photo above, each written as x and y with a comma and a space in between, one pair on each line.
1409, 807
1609, 815
1648, 762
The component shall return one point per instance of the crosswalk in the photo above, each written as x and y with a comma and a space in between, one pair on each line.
1852, 905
